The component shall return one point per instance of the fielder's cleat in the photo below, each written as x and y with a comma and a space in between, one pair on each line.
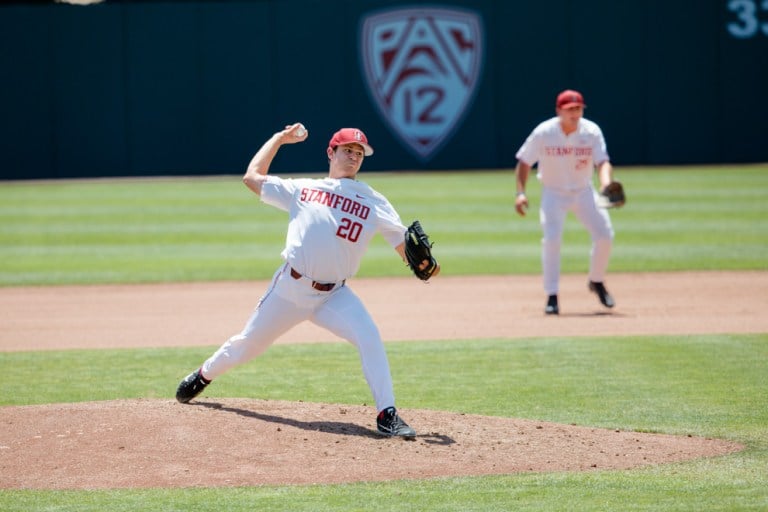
552, 307
602, 293
390, 424
192, 385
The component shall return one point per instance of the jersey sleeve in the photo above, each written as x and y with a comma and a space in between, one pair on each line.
389, 223
278, 192
600, 150
529, 151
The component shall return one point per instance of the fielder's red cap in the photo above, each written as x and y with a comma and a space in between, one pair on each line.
351, 136
569, 98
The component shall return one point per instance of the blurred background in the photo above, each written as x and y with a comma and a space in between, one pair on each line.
140, 88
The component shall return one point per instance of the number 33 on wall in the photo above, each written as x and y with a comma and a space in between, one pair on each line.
747, 13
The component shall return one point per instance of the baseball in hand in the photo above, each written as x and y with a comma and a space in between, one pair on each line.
301, 131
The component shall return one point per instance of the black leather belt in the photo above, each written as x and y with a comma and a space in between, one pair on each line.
322, 287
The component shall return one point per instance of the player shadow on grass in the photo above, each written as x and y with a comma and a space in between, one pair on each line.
327, 427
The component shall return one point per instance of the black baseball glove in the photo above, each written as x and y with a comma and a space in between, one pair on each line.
612, 195
419, 249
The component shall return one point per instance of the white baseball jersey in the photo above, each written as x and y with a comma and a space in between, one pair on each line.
566, 162
331, 223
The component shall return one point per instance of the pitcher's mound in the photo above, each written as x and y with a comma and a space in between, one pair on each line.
245, 442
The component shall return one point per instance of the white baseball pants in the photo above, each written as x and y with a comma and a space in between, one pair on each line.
555, 205
289, 302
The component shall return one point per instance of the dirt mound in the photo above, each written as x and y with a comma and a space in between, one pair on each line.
239, 442
151, 443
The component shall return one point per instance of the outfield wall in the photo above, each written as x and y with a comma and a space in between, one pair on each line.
192, 87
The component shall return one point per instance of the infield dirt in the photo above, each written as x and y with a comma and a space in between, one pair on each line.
238, 441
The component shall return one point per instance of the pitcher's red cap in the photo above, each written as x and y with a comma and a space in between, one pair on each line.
569, 98
351, 136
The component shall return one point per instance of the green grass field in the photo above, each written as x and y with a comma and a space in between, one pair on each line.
214, 229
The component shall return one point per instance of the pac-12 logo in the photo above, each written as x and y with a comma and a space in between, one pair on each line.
422, 67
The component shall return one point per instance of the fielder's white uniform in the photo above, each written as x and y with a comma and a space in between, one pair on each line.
566, 165
331, 224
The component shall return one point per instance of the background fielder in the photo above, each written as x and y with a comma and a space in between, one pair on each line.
331, 222
567, 149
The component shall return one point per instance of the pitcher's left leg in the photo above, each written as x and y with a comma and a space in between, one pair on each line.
345, 316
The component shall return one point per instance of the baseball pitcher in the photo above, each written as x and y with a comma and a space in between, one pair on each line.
330, 224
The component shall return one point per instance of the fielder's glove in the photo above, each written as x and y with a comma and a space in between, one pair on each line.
612, 195
418, 249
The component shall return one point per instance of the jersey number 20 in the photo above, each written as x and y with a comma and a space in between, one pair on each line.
349, 230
